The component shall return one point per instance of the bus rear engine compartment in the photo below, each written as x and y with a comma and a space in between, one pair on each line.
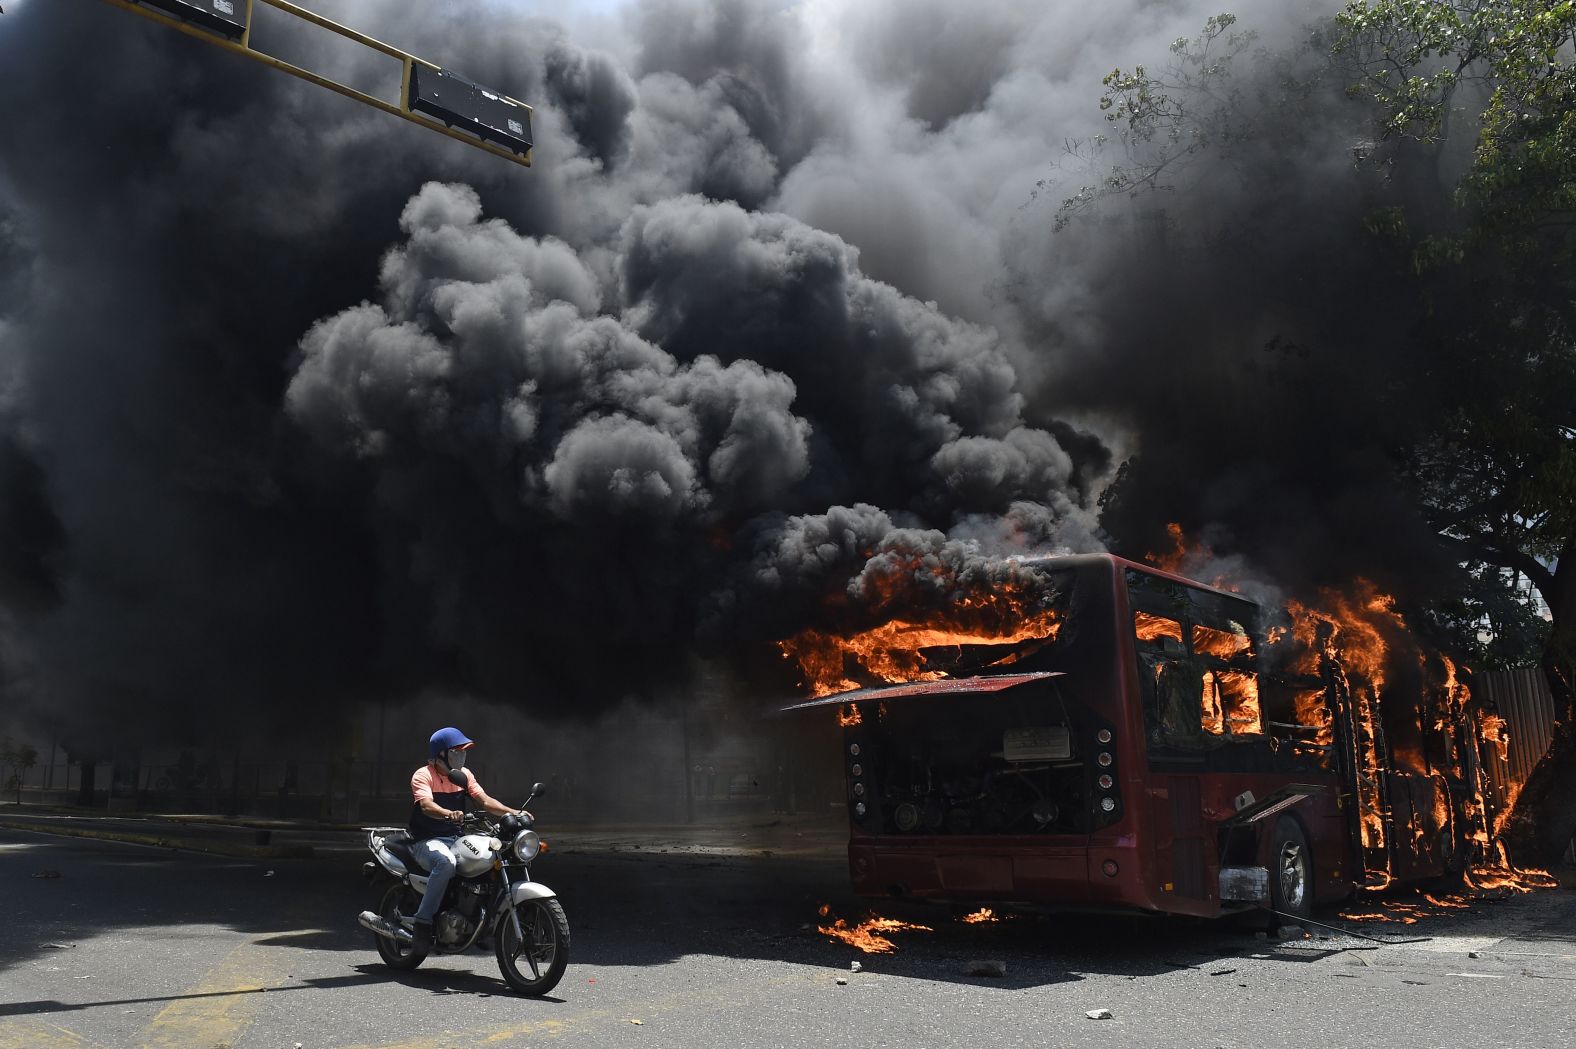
969, 766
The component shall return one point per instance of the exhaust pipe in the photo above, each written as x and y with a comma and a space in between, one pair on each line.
398, 933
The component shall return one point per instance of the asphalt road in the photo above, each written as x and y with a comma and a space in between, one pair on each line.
137, 946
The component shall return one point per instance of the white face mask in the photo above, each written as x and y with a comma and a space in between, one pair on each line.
456, 759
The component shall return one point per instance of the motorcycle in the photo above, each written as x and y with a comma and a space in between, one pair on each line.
491, 897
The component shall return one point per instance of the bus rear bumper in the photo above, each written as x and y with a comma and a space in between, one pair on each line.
1072, 875
978, 872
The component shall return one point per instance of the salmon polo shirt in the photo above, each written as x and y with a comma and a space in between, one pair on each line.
435, 786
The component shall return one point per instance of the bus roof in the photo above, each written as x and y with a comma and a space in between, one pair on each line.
1077, 560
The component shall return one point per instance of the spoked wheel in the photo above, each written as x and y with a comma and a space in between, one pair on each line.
533, 960
1291, 870
398, 902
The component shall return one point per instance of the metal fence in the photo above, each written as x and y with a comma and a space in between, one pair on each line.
1527, 705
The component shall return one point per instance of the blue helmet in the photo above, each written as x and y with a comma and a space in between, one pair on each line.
447, 739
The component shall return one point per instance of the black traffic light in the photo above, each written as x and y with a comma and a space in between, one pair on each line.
458, 102
225, 17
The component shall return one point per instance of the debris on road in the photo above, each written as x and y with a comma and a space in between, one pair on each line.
842, 981
854, 967
58, 946
1099, 1014
986, 967
1222, 972
638, 1023
47, 874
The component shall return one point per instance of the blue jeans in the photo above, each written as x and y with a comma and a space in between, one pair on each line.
437, 855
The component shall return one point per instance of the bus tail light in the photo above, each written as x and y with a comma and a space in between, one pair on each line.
1106, 805
856, 784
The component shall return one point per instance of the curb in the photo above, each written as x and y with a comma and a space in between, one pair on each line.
216, 848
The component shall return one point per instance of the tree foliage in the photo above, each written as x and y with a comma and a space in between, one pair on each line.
1195, 104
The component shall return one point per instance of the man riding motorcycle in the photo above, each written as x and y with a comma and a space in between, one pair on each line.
443, 792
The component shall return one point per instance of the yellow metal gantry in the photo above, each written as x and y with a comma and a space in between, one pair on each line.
408, 63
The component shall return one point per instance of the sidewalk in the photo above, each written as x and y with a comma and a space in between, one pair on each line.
255, 838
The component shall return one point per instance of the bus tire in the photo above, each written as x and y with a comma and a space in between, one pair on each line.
1291, 870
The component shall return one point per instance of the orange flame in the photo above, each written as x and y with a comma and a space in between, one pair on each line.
1222, 644
998, 613
1356, 644
867, 935
1313, 710
1155, 628
1171, 560
1347, 638
984, 914
1496, 732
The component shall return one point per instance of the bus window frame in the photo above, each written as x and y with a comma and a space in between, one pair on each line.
1191, 607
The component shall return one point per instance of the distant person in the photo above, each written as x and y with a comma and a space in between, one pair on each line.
443, 792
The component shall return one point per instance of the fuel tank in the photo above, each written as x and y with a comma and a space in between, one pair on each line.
475, 853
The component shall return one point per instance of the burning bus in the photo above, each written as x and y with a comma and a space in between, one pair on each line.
1097, 733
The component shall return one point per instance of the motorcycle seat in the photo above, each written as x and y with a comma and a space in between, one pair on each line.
401, 851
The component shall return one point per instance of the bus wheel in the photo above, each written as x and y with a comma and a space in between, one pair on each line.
1291, 870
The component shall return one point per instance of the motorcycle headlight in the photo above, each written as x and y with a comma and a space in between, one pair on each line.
527, 845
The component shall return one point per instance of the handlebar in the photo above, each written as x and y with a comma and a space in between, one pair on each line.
471, 819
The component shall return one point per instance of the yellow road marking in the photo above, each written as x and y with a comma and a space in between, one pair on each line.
21, 1033
219, 1009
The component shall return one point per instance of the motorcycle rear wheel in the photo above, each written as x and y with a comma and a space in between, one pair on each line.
534, 961
398, 901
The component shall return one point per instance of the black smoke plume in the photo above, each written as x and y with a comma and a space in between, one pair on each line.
302, 405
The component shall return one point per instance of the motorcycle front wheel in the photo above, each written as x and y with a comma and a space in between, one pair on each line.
398, 901
533, 960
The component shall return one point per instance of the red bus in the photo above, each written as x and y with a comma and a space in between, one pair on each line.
1148, 754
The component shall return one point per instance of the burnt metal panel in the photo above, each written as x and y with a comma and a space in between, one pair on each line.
225, 17
1279, 801
930, 689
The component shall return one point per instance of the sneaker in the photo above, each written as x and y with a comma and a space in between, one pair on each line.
422, 941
